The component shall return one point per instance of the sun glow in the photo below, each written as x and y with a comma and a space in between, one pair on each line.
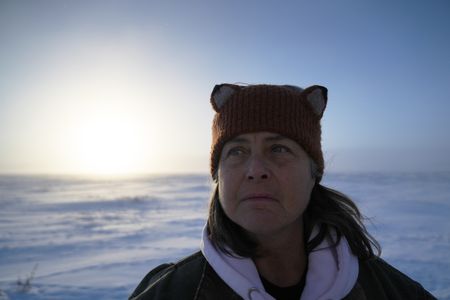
108, 145
101, 108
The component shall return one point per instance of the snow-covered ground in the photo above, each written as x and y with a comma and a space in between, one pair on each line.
84, 238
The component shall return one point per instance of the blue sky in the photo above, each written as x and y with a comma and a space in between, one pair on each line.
123, 86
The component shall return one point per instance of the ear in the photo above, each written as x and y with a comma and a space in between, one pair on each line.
317, 97
220, 95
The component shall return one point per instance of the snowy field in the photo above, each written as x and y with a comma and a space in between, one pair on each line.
80, 238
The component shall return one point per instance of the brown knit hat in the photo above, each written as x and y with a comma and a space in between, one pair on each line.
284, 109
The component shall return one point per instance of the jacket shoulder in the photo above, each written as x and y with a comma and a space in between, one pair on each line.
380, 280
182, 277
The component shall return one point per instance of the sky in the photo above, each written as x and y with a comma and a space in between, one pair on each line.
118, 87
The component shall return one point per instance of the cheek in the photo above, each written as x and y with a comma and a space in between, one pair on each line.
300, 188
226, 190
307, 184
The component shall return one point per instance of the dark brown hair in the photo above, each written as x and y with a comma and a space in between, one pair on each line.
328, 210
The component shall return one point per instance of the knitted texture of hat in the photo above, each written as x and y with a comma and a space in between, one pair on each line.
287, 110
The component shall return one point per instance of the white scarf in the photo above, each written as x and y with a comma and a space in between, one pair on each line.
326, 278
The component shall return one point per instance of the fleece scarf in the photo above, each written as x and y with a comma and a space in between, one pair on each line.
332, 271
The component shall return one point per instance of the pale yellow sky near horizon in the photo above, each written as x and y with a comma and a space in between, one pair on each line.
101, 114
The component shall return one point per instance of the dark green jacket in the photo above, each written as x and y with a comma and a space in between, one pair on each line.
193, 278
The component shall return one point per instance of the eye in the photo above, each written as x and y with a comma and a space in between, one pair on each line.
236, 151
280, 149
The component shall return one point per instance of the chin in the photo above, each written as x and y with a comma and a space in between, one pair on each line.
260, 227
268, 224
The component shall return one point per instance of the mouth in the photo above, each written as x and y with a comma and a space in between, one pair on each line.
259, 197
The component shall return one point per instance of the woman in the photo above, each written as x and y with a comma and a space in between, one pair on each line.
273, 231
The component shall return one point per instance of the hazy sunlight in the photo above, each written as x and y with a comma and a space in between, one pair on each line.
108, 144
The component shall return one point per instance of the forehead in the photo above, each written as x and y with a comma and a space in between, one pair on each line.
259, 136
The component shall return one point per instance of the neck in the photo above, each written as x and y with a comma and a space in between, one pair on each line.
282, 259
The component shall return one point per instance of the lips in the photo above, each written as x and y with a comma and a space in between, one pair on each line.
259, 197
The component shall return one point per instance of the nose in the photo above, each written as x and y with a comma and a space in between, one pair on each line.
257, 169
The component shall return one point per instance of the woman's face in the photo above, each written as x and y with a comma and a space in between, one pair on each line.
265, 182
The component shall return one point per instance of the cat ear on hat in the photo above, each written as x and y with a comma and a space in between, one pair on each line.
221, 93
317, 97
